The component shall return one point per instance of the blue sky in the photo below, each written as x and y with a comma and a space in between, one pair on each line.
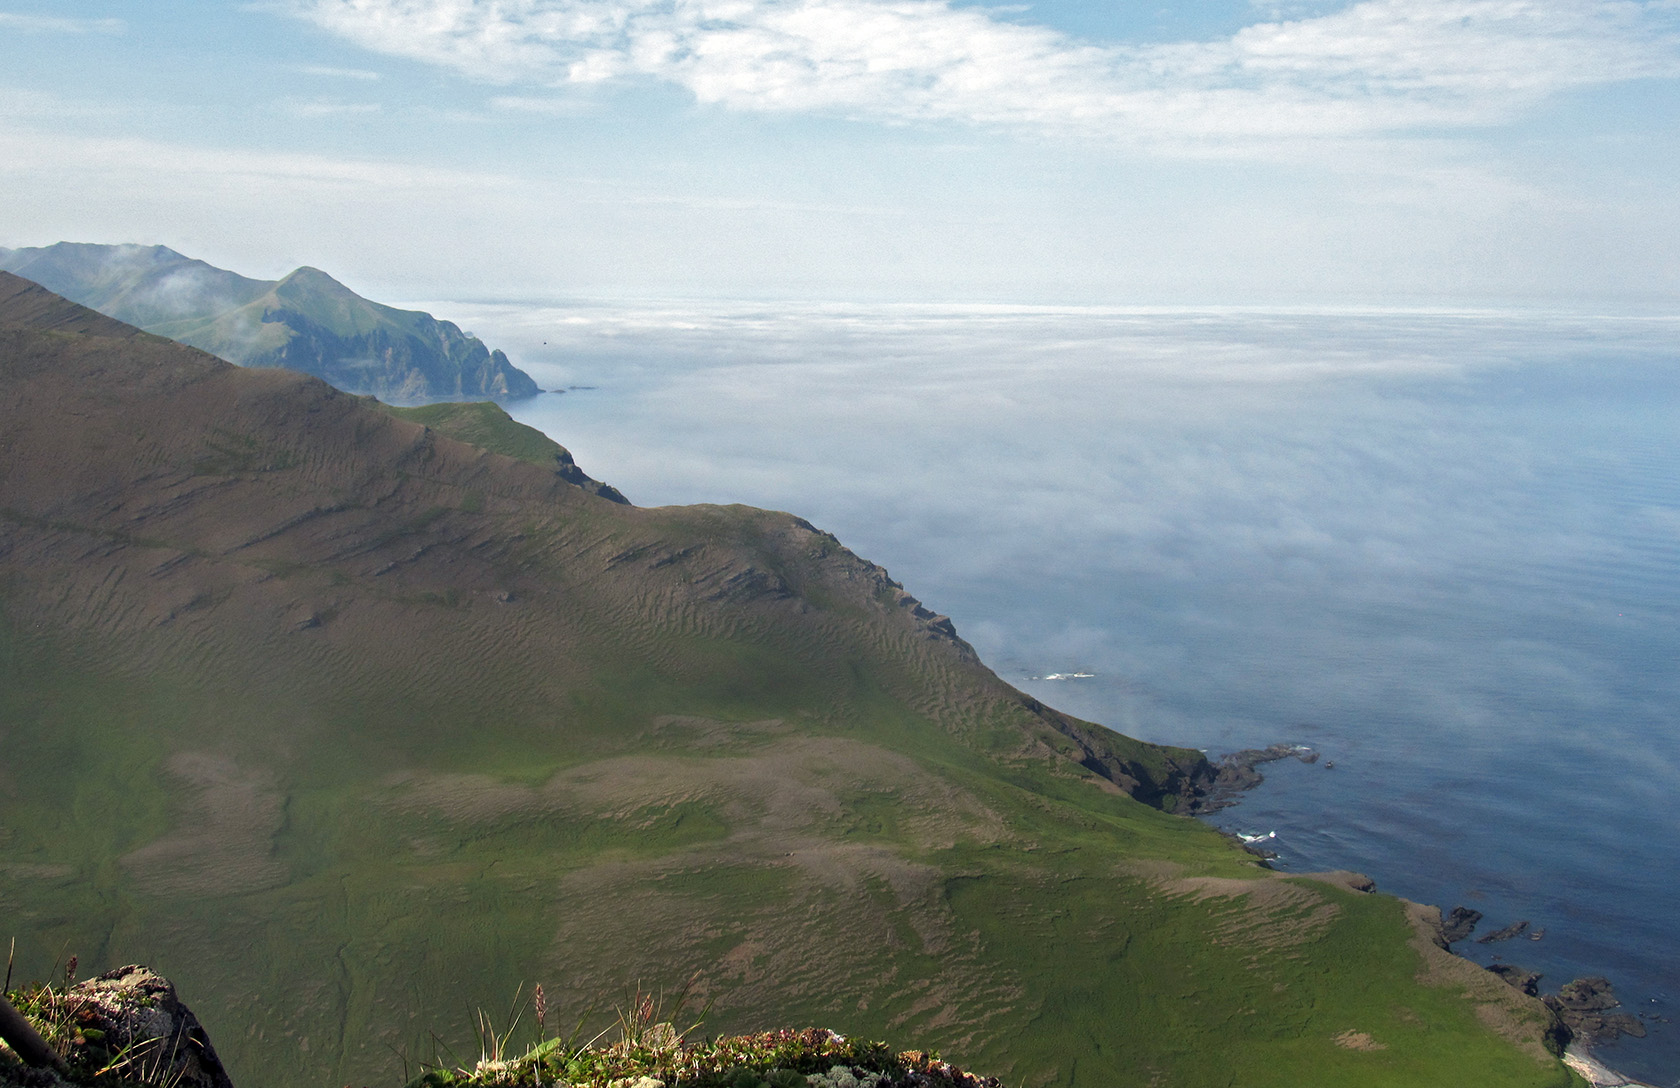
1408, 152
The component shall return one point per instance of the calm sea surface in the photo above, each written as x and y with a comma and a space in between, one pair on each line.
1442, 549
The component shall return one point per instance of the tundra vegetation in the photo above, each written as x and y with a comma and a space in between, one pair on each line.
344, 725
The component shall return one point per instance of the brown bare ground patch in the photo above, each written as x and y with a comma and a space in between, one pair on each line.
791, 785
1265, 913
1358, 1040
223, 841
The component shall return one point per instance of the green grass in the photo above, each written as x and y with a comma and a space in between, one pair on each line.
410, 824
1028, 948
486, 425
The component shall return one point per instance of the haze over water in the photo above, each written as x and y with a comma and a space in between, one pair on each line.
1440, 548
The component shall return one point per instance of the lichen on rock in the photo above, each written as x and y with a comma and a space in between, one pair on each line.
125, 1026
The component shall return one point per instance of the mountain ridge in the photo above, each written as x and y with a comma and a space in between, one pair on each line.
304, 321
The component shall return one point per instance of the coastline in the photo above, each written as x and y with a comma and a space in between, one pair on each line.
1596, 1073
1236, 774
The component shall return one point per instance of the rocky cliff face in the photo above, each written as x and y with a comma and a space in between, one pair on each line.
307, 321
311, 322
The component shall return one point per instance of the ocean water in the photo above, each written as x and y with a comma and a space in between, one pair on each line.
1440, 548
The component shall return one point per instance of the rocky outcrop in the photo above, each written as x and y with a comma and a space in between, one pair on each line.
568, 470
1520, 978
127, 1025
1515, 929
1239, 771
1584, 1008
1587, 1006
1171, 779
1459, 924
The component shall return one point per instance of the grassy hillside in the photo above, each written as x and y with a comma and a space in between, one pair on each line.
485, 425
348, 726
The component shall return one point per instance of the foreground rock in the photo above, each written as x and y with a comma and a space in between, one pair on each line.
126, 1025
657, 1056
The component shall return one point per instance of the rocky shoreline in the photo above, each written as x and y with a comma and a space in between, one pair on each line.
1596, 1073
1235, 773
1585, 1010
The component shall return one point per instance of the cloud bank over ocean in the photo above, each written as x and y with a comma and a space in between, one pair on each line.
1273, 480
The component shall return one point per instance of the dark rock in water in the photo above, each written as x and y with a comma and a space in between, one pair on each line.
1515, 929
1520, 978
132, 1014
1459, 924
1591, 994
1237, 772
1584, 1006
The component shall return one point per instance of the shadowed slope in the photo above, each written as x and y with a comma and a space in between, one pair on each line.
28, 304
343, 722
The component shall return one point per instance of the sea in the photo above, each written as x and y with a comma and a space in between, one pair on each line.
1439, 548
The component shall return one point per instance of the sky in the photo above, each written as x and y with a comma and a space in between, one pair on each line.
1232, 152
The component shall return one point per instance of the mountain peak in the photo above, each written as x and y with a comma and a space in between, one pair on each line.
310, 276
308, 282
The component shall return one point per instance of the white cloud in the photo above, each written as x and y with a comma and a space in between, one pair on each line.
537, 104
328, 72
52, 24
1373, 67
321, 107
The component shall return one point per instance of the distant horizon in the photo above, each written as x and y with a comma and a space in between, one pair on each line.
1630, 308
1299, 153
1653, 308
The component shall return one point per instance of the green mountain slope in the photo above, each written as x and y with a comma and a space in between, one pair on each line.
489, 427
348, 726
307, 321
